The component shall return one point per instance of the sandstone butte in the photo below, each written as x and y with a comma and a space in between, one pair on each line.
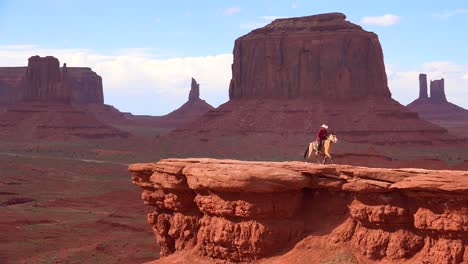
230, 211
295, 74
190, 111
78, 85
437, 109
46, 101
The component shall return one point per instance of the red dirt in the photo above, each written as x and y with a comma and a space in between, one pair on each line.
66, 199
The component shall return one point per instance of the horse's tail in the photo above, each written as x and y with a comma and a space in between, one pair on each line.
306, 152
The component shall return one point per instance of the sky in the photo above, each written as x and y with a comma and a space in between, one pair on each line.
147, 51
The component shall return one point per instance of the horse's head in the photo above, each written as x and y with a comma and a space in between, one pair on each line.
332, 137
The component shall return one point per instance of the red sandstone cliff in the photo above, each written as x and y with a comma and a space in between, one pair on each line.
44, 82
10, 79
321, 56
292, 76
85, 86
293, 212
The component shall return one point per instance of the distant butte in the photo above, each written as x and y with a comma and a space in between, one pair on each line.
436, 109
45, 101
292, 76
78, 85
190, 111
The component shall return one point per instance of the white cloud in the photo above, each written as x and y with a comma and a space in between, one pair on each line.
404, 84
449, 13
135, 76
385, 20
231, 11
294, 5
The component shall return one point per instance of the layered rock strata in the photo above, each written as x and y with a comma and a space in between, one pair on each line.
320, 56
292, 76
48, 101
45, 80
238, 211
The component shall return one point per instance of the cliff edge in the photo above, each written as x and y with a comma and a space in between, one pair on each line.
226, 211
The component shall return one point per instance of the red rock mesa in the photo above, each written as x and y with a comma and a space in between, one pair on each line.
45, 102
44, 80
295, 74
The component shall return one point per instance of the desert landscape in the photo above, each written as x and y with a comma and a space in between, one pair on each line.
229, 183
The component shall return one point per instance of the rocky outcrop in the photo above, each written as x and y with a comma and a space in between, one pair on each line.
438, 91
48, 101
189, 112
194, 90
321, 56
438, 110
292, 76
85, 86
423, 86
244, 211
44, 80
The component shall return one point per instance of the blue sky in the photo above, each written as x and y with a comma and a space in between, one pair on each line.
147, 51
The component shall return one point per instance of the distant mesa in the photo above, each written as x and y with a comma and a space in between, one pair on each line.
437, 90
425, 104
436, 109
295, 74
321, 56
44, 100
45, 81
189, 112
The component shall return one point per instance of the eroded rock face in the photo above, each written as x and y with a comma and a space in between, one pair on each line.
235, 211
190, 111
438, 91
44, 80
423, 86
85, 86
292, 76
320, 56
194, 90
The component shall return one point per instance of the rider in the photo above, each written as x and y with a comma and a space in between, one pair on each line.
322, 134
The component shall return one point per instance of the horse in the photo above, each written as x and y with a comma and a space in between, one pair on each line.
325, 151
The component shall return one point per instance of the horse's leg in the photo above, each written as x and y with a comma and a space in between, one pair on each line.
310, 151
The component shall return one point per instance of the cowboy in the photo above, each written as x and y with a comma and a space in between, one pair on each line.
322, 135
